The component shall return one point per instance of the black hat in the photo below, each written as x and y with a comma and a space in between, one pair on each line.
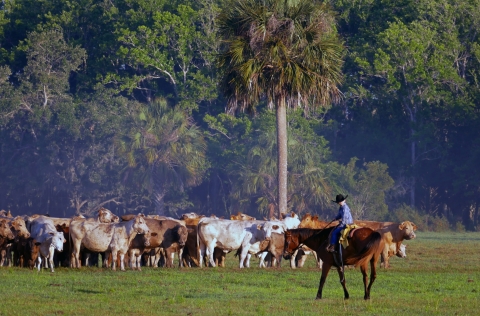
339, 198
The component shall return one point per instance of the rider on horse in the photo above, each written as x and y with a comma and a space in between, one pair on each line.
345, 218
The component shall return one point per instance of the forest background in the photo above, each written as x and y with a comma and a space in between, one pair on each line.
117, 104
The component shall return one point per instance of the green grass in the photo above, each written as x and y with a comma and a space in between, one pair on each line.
440, 276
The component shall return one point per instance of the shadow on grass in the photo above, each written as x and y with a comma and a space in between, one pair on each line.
88, 291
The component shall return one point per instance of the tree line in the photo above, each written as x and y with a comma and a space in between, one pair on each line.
123, 104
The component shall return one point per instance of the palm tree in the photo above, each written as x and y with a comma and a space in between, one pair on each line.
286, 52
166, 148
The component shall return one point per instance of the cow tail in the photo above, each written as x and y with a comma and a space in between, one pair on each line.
198, 243
374, 247
73, 263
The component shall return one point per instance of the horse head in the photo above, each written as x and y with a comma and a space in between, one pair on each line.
291, 244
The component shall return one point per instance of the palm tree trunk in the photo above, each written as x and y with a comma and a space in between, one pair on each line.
282, 157
158, 191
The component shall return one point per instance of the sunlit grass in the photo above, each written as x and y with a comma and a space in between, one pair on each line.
441, 275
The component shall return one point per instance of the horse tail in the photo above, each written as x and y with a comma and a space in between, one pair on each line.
374, 246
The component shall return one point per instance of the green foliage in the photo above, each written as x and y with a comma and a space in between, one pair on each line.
164, 148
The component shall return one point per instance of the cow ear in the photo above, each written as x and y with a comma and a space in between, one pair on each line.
315, 218
275, 227
259, 226
414, 226
402, 225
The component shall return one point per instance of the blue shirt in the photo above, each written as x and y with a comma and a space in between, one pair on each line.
344, 215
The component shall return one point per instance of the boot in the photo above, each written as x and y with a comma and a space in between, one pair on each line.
331, 248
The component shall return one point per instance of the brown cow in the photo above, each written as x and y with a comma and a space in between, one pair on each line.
392, 234
168, 234
4, 213
26, 251
309, 221
19, 230
242, 217
6, 235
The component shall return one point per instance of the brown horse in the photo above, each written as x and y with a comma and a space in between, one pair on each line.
364, 246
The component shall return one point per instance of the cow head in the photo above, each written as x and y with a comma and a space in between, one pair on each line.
182, 233
139, 224
106, 216
191, 215
19, 227
292, 222
408, 229
401, 251
306, 221
272, 227
5, 230
57, 240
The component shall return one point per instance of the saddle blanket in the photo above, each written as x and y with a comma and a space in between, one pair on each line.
344, 234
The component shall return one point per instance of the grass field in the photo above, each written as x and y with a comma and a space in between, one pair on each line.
440, 276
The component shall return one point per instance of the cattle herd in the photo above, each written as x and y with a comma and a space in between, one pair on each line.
137, 240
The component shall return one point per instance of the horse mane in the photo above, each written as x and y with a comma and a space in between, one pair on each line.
306, 233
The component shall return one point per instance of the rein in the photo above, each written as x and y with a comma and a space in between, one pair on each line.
317, 233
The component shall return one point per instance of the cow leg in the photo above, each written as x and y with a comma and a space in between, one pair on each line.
139, 262
384, 258
51, 251
317, 259
105, 259
278, 260
172, 258
209, 252
133, 258
122, 261
243, 255
3, 253
202, 249
87, 259
114, 260
293, 260
325, 270
180, 257
262, 259
39, 261
76, 253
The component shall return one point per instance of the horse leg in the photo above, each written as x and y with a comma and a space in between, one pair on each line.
325, 270
341, 273
366, 287
373, 276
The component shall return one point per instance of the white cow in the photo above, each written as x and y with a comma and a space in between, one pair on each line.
229, 235
114, 238
43, 230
